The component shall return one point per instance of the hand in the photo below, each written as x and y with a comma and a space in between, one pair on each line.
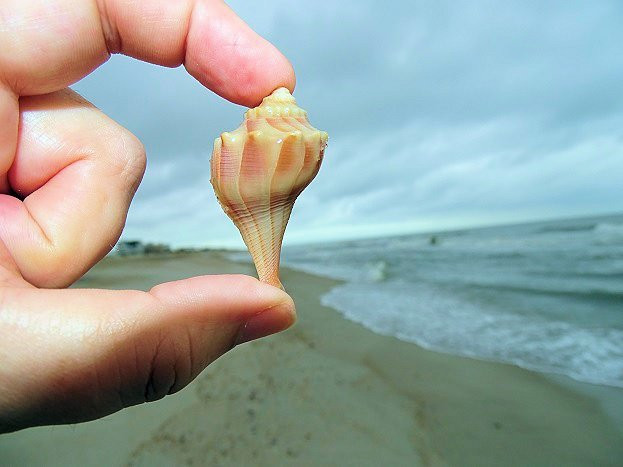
67, 175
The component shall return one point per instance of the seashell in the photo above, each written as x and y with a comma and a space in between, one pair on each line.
259, 169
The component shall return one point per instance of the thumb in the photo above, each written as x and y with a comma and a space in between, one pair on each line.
75, 355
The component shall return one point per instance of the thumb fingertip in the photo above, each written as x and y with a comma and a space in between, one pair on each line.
228, 298
277, 314
269, 321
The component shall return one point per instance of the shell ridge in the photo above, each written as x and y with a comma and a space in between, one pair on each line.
247, 218
302, 171
285, 218
265, 233
277, 149
273, 124
253, 218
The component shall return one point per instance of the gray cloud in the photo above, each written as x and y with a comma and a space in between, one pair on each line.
440, 114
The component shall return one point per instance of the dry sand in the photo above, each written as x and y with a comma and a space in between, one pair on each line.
329, 392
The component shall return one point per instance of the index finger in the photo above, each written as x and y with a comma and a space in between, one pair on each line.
46, 45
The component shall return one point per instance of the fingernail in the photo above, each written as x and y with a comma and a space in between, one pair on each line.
267, 322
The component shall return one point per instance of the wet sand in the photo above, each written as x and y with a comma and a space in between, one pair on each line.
330, 392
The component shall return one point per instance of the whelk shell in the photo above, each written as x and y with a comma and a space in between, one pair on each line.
259, 169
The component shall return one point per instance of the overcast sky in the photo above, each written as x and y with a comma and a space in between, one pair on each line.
440, 114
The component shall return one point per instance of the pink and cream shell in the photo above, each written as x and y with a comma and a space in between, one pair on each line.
258, 171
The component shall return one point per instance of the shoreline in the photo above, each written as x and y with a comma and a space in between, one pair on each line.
610, 397
329, 389
607, 399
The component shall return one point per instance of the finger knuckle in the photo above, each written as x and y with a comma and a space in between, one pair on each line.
119, 153
128, 157
170, 368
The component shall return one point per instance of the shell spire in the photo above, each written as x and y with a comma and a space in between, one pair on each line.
258, 171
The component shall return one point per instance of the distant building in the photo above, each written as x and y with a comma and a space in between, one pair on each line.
155, 248
130, 247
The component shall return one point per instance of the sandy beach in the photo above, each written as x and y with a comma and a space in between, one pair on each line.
330, 392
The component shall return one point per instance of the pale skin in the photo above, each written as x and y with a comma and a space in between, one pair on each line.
67, 176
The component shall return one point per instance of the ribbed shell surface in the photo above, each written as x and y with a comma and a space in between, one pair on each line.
259, 169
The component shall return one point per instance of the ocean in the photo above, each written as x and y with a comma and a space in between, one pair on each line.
546, 296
